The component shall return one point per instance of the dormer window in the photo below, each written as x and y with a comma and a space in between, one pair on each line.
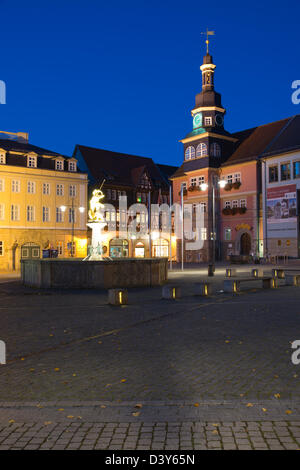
32, 161
72, 166
59, 165
2, 158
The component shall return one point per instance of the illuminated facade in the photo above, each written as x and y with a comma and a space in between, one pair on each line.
42, 204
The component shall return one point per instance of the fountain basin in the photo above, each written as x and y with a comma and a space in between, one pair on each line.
74, 273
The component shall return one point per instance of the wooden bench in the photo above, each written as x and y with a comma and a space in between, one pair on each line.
233, 285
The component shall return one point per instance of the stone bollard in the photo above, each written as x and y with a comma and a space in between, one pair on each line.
117, 296
278, 273
203, 288
292, 280
231, 286
230, 272
171, 292
257, 272
270, 283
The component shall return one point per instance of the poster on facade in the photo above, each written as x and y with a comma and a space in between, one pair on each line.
282, 204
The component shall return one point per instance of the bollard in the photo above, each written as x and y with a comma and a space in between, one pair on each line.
292, 280
230, 272
231, 286
257, 272
203, 288
117, 296
171, 292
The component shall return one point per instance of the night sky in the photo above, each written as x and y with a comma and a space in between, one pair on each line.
123, 75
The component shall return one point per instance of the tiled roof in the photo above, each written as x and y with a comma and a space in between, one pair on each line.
11, 145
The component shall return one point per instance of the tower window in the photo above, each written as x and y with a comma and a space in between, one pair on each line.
201, 150
208, 121
190, 153
215, 150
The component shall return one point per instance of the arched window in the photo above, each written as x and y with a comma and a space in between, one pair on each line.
201, 150
215, 150
189, 153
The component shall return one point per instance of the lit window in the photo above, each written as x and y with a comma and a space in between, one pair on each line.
31, 187
46, 214
30, 214
203, 233
201, 150
273, 174
15, 186
215, 150
190, 153
227, 234
60, 248
59, 165
296, 167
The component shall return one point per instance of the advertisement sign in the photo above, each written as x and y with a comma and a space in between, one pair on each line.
282, 204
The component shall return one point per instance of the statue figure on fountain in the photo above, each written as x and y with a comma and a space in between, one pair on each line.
96, 222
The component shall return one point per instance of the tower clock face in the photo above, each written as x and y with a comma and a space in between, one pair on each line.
219, 120
197, 120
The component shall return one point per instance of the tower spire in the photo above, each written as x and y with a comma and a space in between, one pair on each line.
208, 33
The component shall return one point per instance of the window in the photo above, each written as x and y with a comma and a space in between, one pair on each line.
189, 153
1, 248
1, 185
285, 171
201, 180
46, 214
59, 189
227, 234
59, 215
235, 204
237, 177
46, 188
108, 194
2, 211
296, 168
31, 161
227, 205
215, 150
193, 181
243, 203
208, 121
59, 165
72, 166
15, 212
15, 186
273, 174
2, 158
31, 187
229, 178
72, 248
71, 215
60, 248
203, 233
30, 214
113, 194
202, 206
201, 150
72, 190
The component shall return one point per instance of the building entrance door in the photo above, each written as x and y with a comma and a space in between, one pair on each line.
245, 244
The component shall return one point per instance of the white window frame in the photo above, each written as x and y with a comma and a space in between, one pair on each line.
15, 212
201, 150
59, 165
59, 189
227, 205
207, 121
189, 153
237, 178
234, 203
31, 187
15, 186
31, 161
193, 181
46, 214
243, 203
215, 149
72, 166
46, 189
59, 215
72, 190
30, 213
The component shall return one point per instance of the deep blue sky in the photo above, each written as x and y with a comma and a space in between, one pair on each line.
123, 75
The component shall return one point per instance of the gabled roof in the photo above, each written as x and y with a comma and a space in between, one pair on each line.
25, 147
266, 140
118, 168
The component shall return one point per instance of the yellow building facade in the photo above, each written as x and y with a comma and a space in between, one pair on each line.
43, 205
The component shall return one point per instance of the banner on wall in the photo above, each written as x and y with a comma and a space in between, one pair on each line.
282, 204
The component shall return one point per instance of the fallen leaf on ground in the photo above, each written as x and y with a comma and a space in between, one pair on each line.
136, 413
277, 395
249, 405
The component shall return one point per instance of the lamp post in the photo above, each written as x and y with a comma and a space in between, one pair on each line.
204, 187
73, 207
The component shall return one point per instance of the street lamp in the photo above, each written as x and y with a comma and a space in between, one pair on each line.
73, 207
204, 187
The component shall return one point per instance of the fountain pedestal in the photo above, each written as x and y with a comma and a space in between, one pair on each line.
95, 251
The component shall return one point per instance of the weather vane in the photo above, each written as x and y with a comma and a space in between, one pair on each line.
208, 33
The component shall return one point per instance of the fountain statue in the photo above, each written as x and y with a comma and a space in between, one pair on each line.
96, 222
